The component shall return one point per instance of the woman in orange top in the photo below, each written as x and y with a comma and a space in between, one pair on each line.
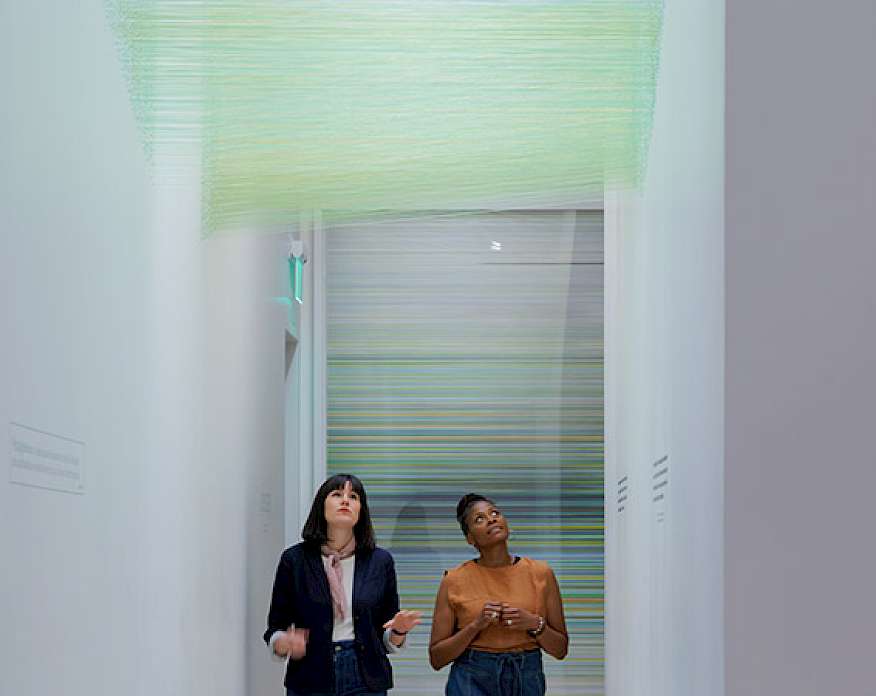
495, 614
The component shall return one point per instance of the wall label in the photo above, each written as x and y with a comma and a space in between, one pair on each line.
44, 460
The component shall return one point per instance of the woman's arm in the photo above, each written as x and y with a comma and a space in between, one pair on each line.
445, 645
283, 639
397, 621
280, 611
554, 640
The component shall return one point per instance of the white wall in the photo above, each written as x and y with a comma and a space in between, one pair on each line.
664, 381
123, 329
801, 347
305, 446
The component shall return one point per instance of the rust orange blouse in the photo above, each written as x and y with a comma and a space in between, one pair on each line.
521, 584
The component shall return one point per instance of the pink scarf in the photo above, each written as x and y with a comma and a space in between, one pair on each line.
334, 571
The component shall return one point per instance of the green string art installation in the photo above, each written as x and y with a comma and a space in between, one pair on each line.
360, 107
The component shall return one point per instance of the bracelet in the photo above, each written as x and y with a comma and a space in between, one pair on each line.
398, 633
536, 632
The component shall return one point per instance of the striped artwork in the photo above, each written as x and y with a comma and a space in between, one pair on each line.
465, 353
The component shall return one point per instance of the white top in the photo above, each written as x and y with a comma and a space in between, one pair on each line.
343, 628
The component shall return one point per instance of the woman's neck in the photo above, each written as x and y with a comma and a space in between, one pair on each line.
495, 556
339, 538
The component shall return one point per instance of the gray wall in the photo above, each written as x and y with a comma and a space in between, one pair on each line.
664, 381
123, 329
800, 347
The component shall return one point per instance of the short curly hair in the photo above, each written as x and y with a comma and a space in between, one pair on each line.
463, 507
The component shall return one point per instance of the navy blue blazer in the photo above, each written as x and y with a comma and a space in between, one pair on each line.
301, 596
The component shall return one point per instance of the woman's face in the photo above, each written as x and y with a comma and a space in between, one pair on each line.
486, 525
342, 507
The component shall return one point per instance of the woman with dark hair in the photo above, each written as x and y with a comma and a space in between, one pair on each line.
495, 614
334, 612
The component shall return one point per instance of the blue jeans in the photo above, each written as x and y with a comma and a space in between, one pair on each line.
477, 673
348, 678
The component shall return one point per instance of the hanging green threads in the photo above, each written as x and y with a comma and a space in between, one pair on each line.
355, 107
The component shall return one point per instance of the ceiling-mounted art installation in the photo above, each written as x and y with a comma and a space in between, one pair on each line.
354, 107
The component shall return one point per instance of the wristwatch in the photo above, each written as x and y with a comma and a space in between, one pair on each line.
536, 632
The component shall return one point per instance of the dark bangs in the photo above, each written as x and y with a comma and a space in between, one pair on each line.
316, 529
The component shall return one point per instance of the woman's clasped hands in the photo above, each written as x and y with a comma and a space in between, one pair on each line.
505, 616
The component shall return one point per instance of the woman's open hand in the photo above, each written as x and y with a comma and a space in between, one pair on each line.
401, 623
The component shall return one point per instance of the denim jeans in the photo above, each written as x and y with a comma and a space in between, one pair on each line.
477, 673
348, 678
